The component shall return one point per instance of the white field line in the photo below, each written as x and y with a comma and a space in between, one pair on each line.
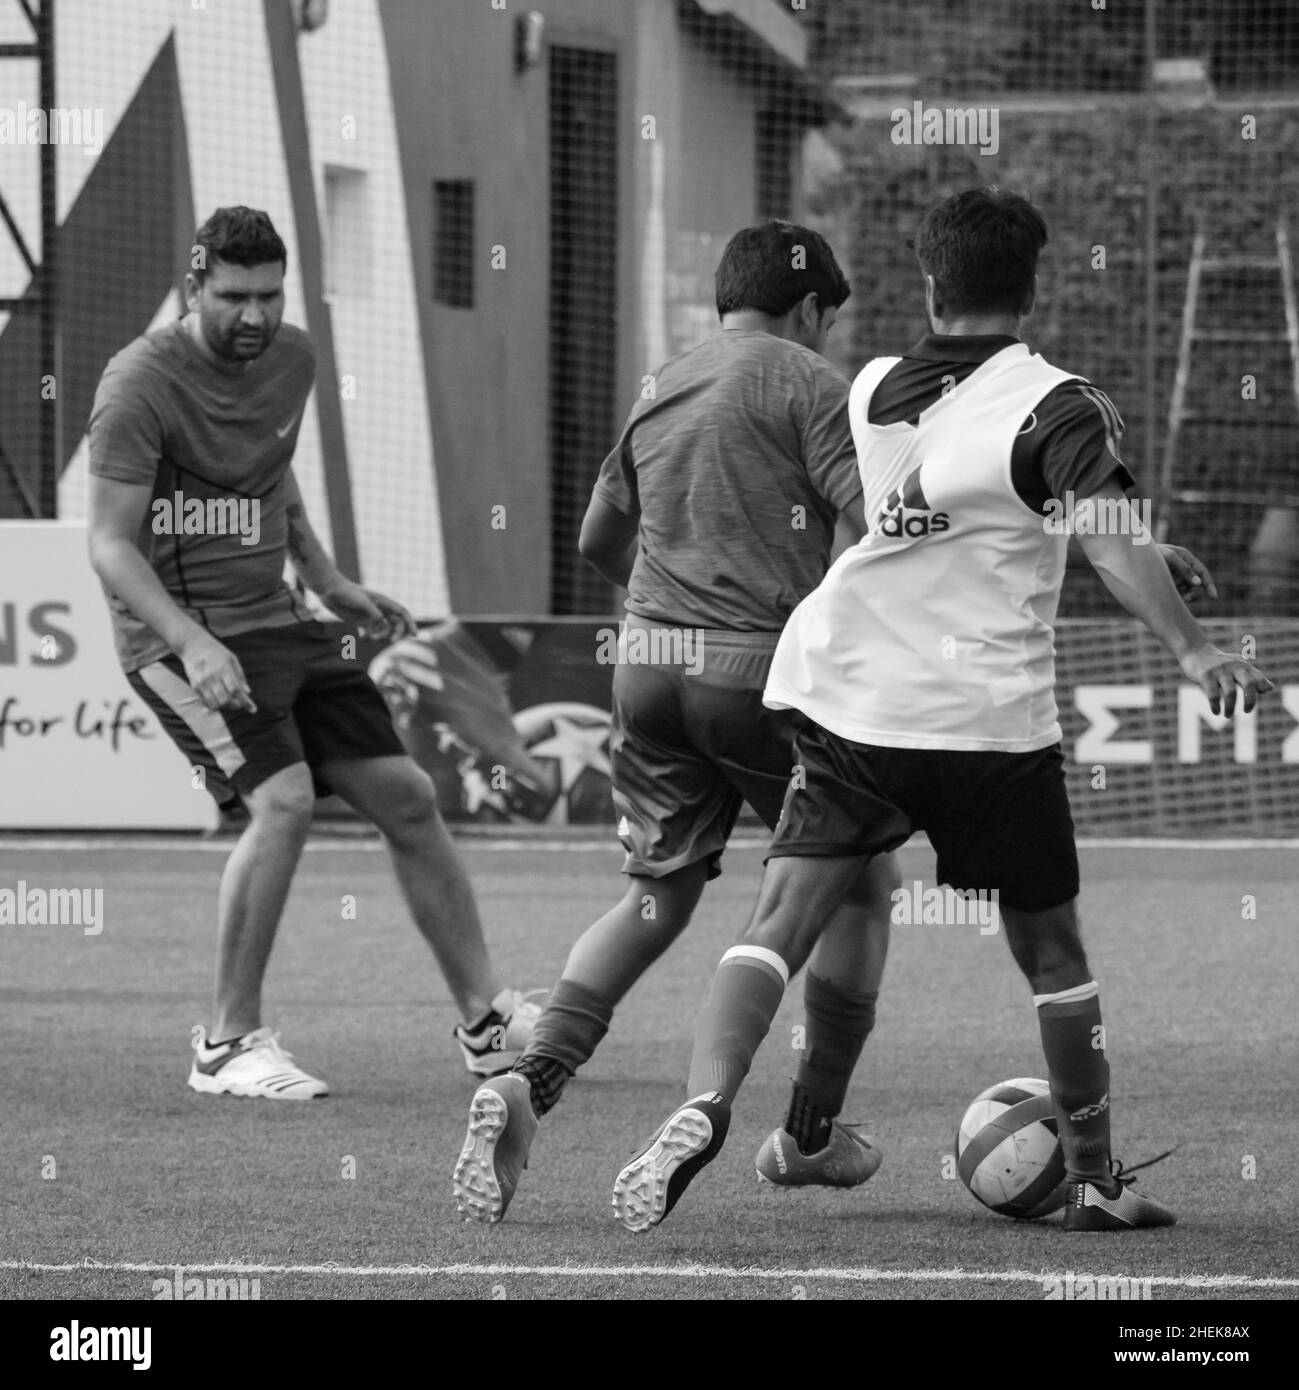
684, 1271
597, 844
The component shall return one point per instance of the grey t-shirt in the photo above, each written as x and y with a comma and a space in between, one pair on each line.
737, 468
167, 418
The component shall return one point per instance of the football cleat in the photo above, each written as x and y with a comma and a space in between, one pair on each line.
846, 1161
498, 1042
652, 1183
1087, 1208
502, 1126
254, 1065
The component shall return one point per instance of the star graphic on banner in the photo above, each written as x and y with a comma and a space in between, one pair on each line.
575, 747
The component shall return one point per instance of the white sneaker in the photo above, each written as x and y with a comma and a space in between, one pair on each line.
497, 1043
254, 1065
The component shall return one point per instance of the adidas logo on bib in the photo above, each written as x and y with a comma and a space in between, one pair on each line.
906, 512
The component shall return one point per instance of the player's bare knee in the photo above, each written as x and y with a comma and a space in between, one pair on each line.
410, 808
1047, 947
284, 802
873, 889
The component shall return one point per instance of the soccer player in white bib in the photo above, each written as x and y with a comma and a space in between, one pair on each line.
923, 665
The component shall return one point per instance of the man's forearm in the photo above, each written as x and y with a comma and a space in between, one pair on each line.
1138, 578
310, 559
130, 577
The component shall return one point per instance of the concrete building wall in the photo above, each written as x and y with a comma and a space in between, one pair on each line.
434, 420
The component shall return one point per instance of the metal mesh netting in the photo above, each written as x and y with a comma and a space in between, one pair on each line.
482, 357
500, 219
1157, 140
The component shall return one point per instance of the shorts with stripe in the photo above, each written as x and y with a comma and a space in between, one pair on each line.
313, 705
692, 742
997, 821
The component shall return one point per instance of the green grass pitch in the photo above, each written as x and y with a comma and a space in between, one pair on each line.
113, 1166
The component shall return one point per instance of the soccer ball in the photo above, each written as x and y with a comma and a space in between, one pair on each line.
1007, 1150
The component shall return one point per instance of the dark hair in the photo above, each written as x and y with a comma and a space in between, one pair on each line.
981, 247
240, 236
772, 266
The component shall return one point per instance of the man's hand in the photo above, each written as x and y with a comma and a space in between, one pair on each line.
376, 615
1218, 674
214, 672
1191, 576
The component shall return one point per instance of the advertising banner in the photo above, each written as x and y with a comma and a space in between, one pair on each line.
79, 750
510, 717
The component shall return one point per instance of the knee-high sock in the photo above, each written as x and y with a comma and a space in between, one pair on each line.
744, 997
569, 1030
1073, 1041
838, 1023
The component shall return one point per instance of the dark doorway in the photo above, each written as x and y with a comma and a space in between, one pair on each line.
583, 306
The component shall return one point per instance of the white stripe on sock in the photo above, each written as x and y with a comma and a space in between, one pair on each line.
760, 953
1068, 996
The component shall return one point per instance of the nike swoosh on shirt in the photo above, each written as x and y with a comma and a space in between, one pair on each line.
281, 433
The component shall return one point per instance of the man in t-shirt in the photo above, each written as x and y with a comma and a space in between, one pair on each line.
924, 669
731, 473
193, 507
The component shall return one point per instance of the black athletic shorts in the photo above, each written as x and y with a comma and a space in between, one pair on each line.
312, 705
996, 820
689, 747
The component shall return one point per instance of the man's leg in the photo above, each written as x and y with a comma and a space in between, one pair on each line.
254, 887
798, 897
398, 797
607, 959
1048, 948
840, 991
259, 756
241, 1057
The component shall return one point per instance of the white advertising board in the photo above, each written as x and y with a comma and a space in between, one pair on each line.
79, 749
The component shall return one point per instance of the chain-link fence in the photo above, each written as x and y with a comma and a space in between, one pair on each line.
1158, 140
500, 219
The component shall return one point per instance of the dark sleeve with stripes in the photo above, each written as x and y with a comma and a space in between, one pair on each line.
1069, 444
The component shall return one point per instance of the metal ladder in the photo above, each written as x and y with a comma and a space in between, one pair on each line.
1178, 414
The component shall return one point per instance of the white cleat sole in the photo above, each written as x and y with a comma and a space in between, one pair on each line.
640, 1191
211, 1086
477, 1192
